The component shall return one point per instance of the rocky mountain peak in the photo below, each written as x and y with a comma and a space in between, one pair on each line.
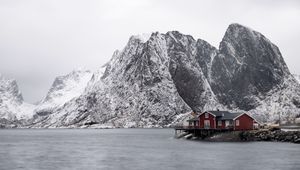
237, 30
12, 106
248, 65
141, 37
180, 39
63, 82
9, 90
65, 88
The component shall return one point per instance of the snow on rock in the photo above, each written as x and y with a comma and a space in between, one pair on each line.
63, 89
247, 67
297, 77
136, 90
143, 37
12, 107
156, 80
283, 101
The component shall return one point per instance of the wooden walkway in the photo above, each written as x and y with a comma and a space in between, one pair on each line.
199, 132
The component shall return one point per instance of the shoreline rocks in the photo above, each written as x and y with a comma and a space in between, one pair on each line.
253, 135
271, 135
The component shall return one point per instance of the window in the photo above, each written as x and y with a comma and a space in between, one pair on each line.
237, 122
206, 124
206, 115
226, 123
219, 123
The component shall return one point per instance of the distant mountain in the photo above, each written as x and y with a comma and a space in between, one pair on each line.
12, 107
63, 89
15, 112
156, 79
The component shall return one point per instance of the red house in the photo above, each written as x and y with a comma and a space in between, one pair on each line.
224, 120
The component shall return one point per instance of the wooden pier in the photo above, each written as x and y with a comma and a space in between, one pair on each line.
199, 132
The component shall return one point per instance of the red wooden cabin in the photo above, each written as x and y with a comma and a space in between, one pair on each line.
223, 120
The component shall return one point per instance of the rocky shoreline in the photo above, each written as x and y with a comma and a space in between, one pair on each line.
253, 135
271, 135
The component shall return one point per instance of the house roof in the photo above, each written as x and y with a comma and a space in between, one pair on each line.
193, 119
249, 116
230, 116
219, 113
225, 115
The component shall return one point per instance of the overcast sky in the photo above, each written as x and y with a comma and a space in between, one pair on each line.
40, 40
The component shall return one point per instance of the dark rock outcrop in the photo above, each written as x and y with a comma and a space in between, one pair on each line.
247, 67
186, 58
269, 135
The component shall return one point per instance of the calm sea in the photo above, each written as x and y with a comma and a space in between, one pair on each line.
135, 149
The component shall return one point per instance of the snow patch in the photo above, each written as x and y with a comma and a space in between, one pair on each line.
143, 37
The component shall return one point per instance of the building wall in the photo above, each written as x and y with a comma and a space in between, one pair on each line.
222, 126
211, 119
246, 123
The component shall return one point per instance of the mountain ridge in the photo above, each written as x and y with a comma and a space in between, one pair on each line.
156, 79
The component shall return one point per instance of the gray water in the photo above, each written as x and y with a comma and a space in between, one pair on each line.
121, 149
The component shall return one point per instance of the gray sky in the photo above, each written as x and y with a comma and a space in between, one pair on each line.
40, 40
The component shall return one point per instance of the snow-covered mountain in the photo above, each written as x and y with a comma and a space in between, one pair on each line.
12, 107
153, 80
283, 100
156, 79
15, 112
63, 89
250, 74
247, 67
135, 90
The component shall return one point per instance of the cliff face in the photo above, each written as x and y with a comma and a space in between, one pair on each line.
191, 80
247, 67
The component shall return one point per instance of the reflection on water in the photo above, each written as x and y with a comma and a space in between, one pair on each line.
135, 149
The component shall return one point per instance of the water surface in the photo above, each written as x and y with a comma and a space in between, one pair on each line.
135, 149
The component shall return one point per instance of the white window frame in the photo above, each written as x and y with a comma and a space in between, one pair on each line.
206, 115
237, 122
219, 122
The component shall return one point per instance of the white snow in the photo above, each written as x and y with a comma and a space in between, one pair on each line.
12, 106
279, 102
66, 88
297, 77
143, 37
